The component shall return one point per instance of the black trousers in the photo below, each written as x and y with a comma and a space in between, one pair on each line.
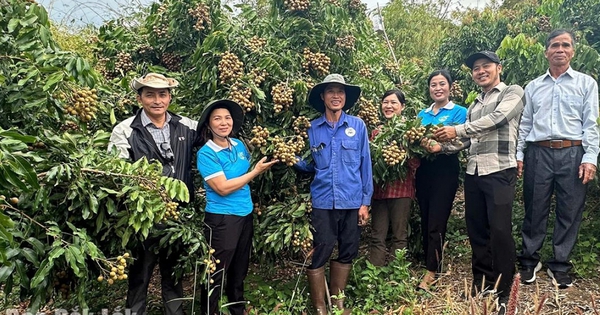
436, 184
549, 171
140, 274
231, 238
488, 213
331, 227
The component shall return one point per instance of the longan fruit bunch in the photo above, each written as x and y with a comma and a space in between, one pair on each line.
283, 96
304, 243
297, 5
69, 125
241, 95
258, 76
301, 125
83, 103
171, 61
316, 61
286, 151
365, 72
456, 91
123, 63
230, 67
202, 14
256, 44
368, 112
211, 262
171, 206
62, 283
415, 133
117, 271
393, 154
260, 135
357, 6
346, 42
259, 209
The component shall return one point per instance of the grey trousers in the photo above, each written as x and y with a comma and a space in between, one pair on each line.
386, 212
548, 171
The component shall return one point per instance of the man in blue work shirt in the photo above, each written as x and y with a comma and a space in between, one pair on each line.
558, 151
342, 188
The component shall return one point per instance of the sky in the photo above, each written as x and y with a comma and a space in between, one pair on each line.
83, 12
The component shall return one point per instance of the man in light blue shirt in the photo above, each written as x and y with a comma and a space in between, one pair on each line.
557, 153
342, 187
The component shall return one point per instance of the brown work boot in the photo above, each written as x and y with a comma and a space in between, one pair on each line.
316, 282
339, 278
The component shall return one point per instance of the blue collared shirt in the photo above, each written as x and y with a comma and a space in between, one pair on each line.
231, 162
562, 108
449, 115
341, 162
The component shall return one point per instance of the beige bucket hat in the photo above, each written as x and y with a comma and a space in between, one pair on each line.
153, 80
352, 92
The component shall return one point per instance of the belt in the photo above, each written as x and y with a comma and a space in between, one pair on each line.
558, 144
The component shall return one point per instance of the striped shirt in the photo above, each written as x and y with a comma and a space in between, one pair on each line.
161, 136
491, 129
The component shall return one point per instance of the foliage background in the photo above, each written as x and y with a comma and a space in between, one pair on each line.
80, 207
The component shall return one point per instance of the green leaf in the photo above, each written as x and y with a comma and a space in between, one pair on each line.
113, 119
52, 80
26, 170
31, 256
12, 25
5, 272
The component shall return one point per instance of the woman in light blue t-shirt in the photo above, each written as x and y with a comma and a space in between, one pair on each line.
224, 162
437, 178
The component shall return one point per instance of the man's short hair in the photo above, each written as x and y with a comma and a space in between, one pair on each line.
559, 32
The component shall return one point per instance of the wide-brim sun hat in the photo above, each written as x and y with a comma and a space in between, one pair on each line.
153, 80
482, 54
352, 92
236, 111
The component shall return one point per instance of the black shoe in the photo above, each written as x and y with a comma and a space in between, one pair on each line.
560, 279
528, 273
503, 306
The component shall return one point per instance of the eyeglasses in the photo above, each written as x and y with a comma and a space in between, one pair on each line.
167, 151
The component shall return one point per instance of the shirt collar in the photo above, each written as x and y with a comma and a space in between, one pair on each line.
448, 106
215, 147
569, 71
321, 120
146, 120
499, 87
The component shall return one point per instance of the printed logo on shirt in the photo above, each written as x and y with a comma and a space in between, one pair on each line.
242, 155
350, 132
443, 118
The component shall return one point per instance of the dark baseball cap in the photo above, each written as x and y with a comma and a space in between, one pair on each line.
482, 54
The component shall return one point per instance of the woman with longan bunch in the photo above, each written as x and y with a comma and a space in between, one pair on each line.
391, 203
437, 178
223, 162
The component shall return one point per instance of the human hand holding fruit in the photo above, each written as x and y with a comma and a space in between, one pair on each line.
445, 133
263, 166
431, 145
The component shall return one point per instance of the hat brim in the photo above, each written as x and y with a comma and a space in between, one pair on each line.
474, 57
315, 100
236, 111
137, 85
